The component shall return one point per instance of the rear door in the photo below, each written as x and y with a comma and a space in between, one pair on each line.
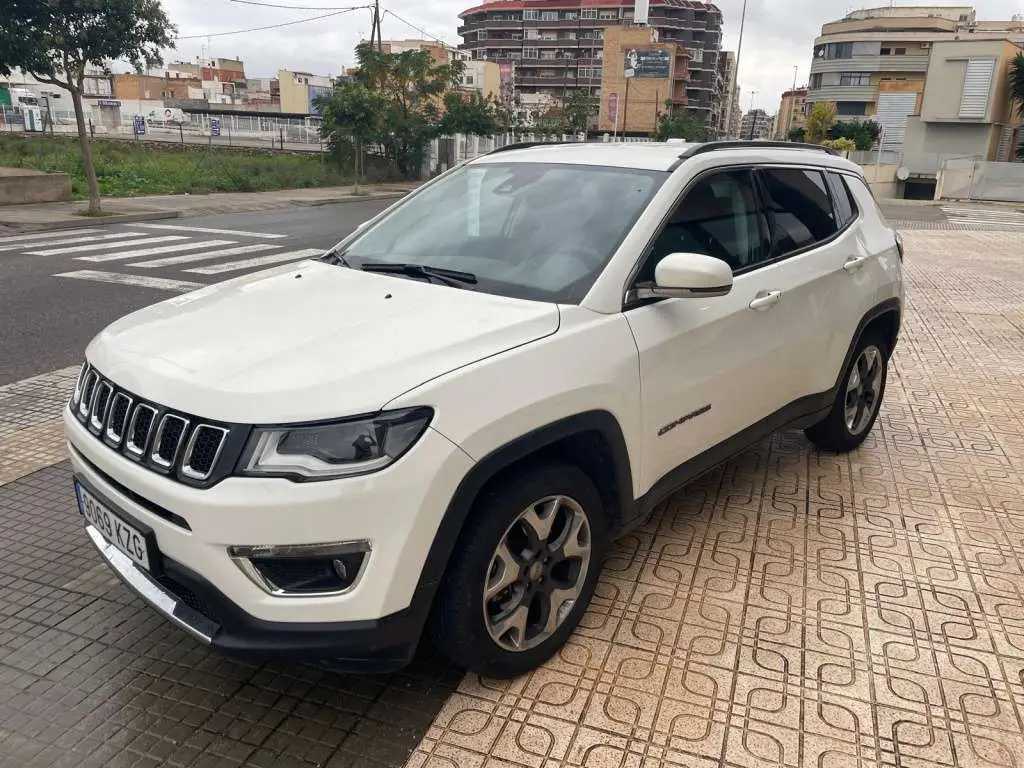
812, 241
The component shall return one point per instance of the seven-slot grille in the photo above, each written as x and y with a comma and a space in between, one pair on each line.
163, 440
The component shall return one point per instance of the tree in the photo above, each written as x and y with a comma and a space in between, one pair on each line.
843, 144
578, 110
56, 40
862, 133
798, 135
820, 119
1017, 91
407, 91
679, 124
352, 116
469, 113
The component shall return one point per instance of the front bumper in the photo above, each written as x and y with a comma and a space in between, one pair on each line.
196, 585
189, 601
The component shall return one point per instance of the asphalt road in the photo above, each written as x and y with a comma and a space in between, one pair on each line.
46, 320
48, 317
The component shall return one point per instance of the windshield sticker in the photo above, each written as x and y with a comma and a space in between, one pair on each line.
475, 182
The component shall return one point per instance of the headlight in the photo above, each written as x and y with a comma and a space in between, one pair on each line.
337, 449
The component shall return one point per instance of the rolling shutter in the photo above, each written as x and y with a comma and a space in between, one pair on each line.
891, 115
977, 86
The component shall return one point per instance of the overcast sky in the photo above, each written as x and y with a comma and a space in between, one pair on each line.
779, 34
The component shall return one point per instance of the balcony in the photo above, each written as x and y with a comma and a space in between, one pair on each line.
902, 64
843, 93
471, 26
557, 82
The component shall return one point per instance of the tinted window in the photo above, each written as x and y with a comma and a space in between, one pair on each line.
718, 217
846, 209
800, 208
540, 231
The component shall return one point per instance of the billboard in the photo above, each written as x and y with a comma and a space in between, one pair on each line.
314, 92
507, 82
654, 63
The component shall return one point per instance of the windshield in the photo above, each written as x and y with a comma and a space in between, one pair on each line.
538, 231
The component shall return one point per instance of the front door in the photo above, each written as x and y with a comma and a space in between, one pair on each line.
710, 367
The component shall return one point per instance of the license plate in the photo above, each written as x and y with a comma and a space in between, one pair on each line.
125, 537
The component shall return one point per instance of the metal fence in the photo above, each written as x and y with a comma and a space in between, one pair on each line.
974, 179
267, 132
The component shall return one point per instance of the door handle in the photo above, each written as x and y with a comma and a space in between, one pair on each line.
854, 263
766, 300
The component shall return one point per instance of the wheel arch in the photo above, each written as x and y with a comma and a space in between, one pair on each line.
592, 440
885, 317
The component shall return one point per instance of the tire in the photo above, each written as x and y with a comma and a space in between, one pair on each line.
466, 627
836, 433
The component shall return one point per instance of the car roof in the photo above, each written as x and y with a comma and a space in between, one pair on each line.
664, 156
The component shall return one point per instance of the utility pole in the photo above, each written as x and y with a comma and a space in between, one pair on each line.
734, 76
753, 117
375, 35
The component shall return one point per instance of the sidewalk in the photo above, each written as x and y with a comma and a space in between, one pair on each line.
22, 218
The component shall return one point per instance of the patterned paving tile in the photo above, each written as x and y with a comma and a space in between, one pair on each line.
796, 609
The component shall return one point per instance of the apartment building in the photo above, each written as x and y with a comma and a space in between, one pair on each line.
132, 87
299, 90
965, 108
547, 49
873, 63
728, 119
792, 113
756, 124
639, 76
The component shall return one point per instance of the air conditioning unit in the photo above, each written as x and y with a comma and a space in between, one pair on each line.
926, 46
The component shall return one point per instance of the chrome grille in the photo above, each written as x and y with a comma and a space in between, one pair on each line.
163, 440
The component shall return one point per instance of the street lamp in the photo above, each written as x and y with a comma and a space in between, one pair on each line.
734, 76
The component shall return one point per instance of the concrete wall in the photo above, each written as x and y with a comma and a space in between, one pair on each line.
976, 180
20, 187
928, 145
882, 180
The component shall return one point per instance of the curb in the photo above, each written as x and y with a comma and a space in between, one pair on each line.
348, 199
86, 221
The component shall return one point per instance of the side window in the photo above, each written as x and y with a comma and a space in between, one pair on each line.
800, 208
846, 208
719, 216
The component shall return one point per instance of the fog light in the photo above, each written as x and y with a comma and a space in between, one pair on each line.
303, 570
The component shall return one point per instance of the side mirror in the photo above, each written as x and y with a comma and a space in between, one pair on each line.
688, 275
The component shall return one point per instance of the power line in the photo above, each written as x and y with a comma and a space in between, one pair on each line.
420, 30
298, 7
273, 26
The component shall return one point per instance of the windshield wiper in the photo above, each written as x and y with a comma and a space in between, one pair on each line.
335, 257
452, 277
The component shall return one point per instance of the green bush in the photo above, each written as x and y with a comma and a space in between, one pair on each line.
129, 168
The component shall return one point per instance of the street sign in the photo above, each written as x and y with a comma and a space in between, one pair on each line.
613, 108
215, 126
139, 125
651, 62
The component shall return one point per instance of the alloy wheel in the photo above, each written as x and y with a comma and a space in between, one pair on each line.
863, 390
537, 573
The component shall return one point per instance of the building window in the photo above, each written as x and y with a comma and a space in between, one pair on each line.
816, 80
835, 51
855, 78
531, 14
893, 51
549, 15
608, 14
530, 53
588, 13
851, 108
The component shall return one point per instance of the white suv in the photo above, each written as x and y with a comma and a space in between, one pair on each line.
440, 425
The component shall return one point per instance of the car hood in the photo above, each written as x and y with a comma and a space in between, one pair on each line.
308, 342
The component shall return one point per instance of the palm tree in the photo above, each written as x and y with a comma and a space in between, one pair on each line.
1017, 91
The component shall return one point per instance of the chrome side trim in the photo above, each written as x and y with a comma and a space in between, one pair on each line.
167, 604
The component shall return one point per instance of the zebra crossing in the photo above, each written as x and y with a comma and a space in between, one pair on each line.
186, 257
987, 218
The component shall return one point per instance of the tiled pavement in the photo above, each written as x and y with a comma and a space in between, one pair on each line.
790, 609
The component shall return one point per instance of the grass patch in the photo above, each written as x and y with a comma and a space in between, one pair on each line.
129, 168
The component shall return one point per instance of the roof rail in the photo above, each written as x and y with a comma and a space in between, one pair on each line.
712, 146
528, 144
